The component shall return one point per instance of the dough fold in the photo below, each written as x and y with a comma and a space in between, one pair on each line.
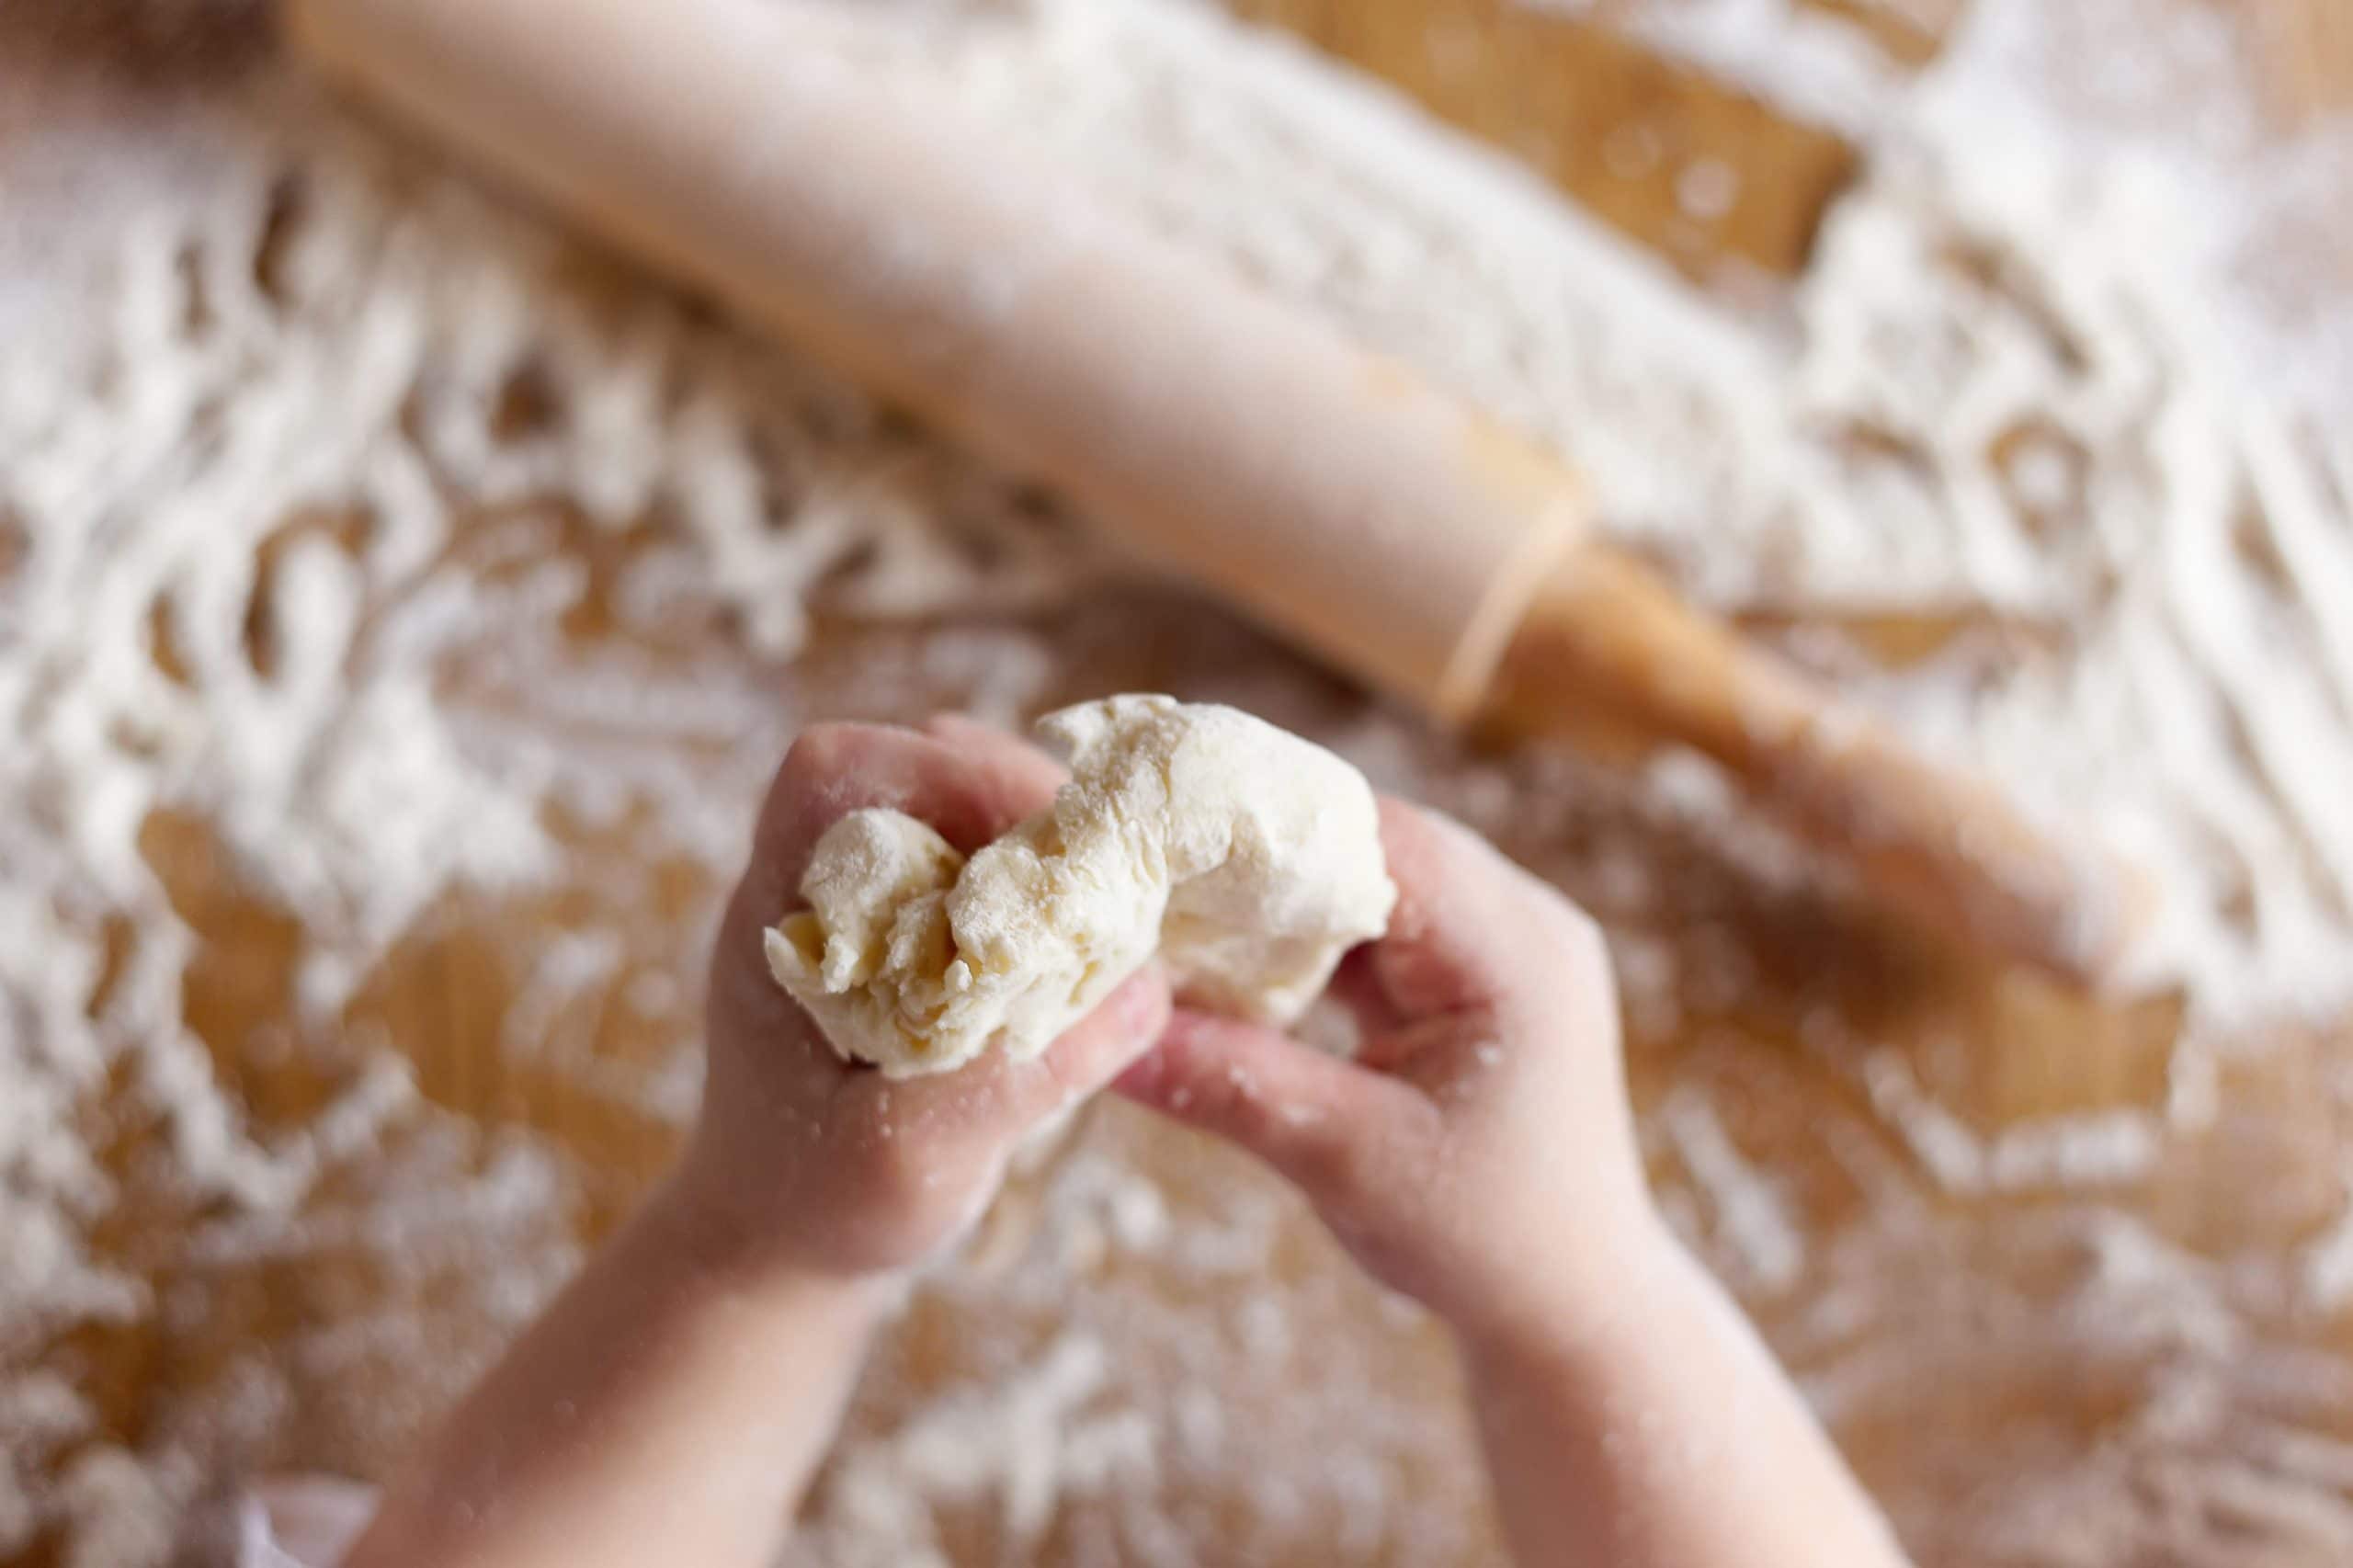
1248, 859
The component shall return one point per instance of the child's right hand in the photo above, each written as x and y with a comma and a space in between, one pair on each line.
1478, 1152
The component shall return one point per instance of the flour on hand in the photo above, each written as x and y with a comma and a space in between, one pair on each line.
1247, 858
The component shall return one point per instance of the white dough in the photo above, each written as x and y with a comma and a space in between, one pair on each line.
1247, 858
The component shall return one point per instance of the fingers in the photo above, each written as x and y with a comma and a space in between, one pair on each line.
969, 790
1356, 985
1472, 932
1322, 1123
1448, 936
1097, 1049
1019, 776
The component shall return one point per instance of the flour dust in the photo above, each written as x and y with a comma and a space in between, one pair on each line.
382, 571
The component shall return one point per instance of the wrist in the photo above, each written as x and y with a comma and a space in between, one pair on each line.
1584, 1302
715, 1234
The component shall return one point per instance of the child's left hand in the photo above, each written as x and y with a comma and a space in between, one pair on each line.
673, 1402
827, 1166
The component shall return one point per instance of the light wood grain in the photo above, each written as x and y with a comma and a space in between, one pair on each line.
1793, 1012
1605, 640
1613, 125
2306, 49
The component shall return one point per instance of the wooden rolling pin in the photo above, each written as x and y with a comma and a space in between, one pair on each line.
1208, 427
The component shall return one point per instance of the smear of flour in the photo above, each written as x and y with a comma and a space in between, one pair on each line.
305, 444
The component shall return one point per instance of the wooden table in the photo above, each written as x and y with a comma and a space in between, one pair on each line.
1933, 1321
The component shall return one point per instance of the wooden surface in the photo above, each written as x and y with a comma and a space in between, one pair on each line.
1786, 1054
1613, 124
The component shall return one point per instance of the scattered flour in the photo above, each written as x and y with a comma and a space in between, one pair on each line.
2068, 1152
1027, 1439
312, 457
1750, 1214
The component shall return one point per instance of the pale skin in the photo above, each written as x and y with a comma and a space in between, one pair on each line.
674, 1402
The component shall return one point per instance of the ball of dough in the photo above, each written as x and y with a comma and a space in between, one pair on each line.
1248, 859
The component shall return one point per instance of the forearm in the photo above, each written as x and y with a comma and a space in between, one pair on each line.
1656, 1430
670, 1406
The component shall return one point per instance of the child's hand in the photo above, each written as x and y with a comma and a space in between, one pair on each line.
674, 1399
828, 1166
673, 1402
1477, 1154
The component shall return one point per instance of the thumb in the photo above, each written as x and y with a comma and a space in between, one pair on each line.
1315, 1119
1091, 1052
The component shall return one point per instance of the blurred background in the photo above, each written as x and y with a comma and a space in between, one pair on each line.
403, 600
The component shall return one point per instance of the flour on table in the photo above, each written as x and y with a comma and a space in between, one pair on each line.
310, 450
1246, 858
